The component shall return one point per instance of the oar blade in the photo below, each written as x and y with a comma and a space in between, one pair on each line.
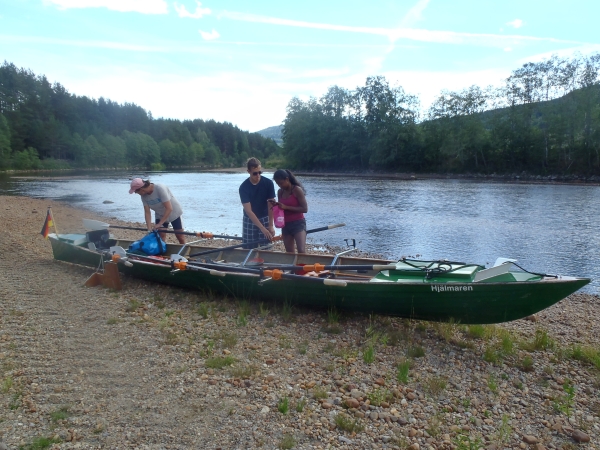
94, 225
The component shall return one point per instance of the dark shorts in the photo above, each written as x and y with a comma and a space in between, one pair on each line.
291, 228
176, 223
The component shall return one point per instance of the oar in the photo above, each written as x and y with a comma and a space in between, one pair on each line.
263, 241
229, 247
120, 255
97, 225
326, 227
320, 267
278, 275
275, 274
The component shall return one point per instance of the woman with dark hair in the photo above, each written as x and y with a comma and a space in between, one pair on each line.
292, 201
167, 210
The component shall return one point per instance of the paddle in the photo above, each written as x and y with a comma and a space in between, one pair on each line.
118, 255
230, 247
263, 241
97, 225
320, 267
273, 274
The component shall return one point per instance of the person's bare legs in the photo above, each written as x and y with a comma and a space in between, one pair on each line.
180, 237
288, 241
162, 234
300, 239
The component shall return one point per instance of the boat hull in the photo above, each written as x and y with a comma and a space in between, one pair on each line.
467, 303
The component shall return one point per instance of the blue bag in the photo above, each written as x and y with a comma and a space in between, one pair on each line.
151, 244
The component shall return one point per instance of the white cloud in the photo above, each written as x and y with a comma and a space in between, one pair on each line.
374, 64
250, 99
183, 12
517, 23
246, 100
394, 34
214, 34
272, 68
567, 53
140, 6
322, 73
12, 39
414, 14
429, 85
507, 49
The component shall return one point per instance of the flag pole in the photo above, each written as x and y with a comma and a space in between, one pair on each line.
53, 221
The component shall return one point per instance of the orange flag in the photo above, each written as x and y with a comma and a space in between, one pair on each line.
47, 224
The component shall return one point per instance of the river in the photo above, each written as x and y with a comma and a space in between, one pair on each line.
547, 228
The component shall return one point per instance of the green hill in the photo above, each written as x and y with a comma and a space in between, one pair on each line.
274, 133
544, 121
43, 126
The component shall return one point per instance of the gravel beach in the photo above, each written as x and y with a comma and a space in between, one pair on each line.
157, 367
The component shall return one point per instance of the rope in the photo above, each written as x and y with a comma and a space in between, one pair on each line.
535, 273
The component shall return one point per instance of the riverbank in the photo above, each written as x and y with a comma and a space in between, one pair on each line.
592, 180
522, 178
158, 367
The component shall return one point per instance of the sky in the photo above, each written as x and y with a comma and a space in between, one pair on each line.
243, 61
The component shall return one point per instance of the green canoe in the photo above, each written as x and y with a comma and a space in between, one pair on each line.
423, 290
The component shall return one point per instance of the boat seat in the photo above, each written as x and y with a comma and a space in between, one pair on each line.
492, 272
463, 272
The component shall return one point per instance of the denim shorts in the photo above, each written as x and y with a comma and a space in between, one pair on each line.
291, 228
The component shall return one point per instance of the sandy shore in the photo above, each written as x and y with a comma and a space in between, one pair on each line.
155, 367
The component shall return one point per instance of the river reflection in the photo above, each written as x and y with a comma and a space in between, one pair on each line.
548, 228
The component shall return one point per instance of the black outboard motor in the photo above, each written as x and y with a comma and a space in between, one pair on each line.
99, 238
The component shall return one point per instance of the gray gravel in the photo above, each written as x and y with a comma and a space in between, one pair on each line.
90, 368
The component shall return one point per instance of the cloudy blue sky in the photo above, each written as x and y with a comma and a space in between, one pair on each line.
242, 61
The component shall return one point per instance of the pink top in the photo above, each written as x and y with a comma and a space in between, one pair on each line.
290, 216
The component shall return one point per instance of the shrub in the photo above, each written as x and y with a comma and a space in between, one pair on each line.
476, 331
377, 396
402, 374
435, 386
60, 414
203, 310
527, 364
284, 405
333, 316
542, 341
301, 404
219, 362
369, 354
347, 423
287, 442
416, 351
491, 355
319, 392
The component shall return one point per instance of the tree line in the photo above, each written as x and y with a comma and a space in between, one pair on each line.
42, 125
544, 119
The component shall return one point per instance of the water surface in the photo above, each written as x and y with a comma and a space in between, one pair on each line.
547, 228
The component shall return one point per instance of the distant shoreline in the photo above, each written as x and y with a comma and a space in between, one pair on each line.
506, 178
498, 178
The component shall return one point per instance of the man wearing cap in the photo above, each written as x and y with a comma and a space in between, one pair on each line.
167, 210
